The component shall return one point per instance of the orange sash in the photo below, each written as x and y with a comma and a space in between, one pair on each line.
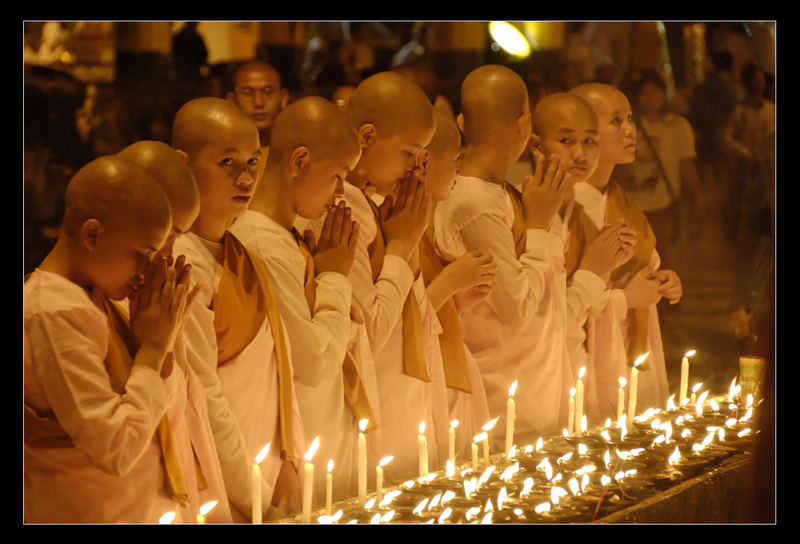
582, 232
46, 432
354, 391
451, 340
414, 354
243, 300
518, 228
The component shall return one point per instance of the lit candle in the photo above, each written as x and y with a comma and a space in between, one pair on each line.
329, 489
634, 385
308, 481
256, 480
362, 461
571, 418
695, 388
579, 400
621, 397
423, 450
452, 445
511, 414
488, 427
379, 475
477, 438
204, 510
685, 375
167, 518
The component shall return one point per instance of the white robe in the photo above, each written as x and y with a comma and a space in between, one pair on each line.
519, 331
608, 325
242, 395
114, 473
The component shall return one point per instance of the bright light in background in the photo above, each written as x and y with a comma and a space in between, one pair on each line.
510, 39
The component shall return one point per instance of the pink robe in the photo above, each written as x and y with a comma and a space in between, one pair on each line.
242, 394
113, 473
607, 336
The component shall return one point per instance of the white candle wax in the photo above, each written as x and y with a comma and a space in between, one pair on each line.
362, 462
451, 452
684, 379
329, 489
571, 418
474, 456
256, 480
308, 487
423, 451
486, 449
510, 416
632, 393
379, 482
579, 401
621, 398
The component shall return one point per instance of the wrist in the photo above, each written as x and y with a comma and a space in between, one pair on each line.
151, 355
399, 248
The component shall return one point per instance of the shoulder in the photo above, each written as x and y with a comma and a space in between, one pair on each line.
52, 298
472, 198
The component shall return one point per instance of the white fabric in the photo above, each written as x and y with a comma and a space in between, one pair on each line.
113, 474
518, 333
751, 125
242, 395
607, 323
319, 344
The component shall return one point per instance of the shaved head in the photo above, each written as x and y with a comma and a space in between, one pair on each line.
256, 66
202, 120
617, 128
116, 192
446, 136
491, 96
172, 173
595, 93
557, 109
313, 122
391, 102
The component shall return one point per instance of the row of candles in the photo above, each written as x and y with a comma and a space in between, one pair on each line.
577, 425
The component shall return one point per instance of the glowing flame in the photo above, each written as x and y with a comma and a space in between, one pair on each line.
312, 449
721, 434
487, 519
488, 427
564, 458
696, 387
509, 472
749, 401
385, 460
619, 475
581, 372
621, 421
659, 439
330, 465
698, 447
454, 424
564, 433
479, 437
685, 433
743, 432
622, 382
607, 423
450, 468
421, 427
605, 479
528, 449
518, 512
376, 519
420, 507
655, 424
488, 507
709, 438
263, 453
369, 504
574, 487
714, 405
472, 513
445, 515
700, 400
512, 389
623, 431
329, 520
572, 392
527, 485
362, 424
732, 390
389, 497
582, 449
539, 443
746, 415
470, 486
556, 493
207, 507
448, 496
605, 435
486, 475
557, 478
501, 498
640, 359
584, 482
583, 424
607, 458
167, 518
408, 484
545, 465
435, 501
671, 403
679, 420
690, 353
387, 517
543, 507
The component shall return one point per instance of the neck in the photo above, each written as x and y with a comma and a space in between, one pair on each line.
263, 137
210, 229
599, 180
271, 200
485, 161
62, 261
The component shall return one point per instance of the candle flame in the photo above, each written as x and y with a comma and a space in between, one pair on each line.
581, 372
486, 475
330, 465
721, 434
730, 422
539, 443
607, 423
696, 387
362, 424
685, 433
584, 482
527, 485
743, 432
385, 460
605, 480
263, 453
564, 458
420, 507
583, 424
732, 390
605, 435
167, 518
488, 426
512, 452
207, 507
387, 517
607, 458
512, 389
472, 512
376, 519
572, 392
488, 507
501, 498
479, 437
518, 512
509, 472
746, 415
557, 478
714, 405
421, 427
450, 469
574, 487
454, 423
619, 475
690, 353
582, 449
564, 432
556, 493
671, 403
749, 401
369, 504
470, 486
445, 515
448, 496
487, 519
312, 449
640, 359
435, 501
543, 507
622, 382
